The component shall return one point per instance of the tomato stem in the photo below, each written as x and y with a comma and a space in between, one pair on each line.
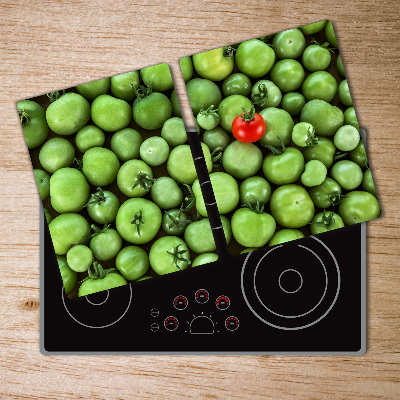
335, 198
24, 117
247, 116
189, 200
229, 51
145, 180
141, 92
138, 220
209, 111
255, 206
262, 94
177, 254
79, 163
328, 220
216, 156
277, 150
178, 222
97, 198
99, 272
97, 230
53, 96
311, 140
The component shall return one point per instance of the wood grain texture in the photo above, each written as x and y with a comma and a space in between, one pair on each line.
50, 45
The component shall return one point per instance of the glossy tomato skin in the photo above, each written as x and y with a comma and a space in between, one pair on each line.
324, 195
322, 151
214, 65
174, 222
103, 207
279, 126
132, 262
110, 281
69, 277
289, 44
204, 258
255, 189
79, 258
166, 193
359, 206
314, 173
236, 84
318, 227
285, 235
106, 245
91, 90
368, 183
216, 137
230, 108
347, 173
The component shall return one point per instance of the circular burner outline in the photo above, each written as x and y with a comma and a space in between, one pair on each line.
301, 280
98, 304
96, 327
299, 315
311, 323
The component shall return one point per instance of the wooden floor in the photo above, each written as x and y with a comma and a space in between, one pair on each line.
51, 45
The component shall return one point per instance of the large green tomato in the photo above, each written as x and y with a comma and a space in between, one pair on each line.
122, 85
158, 77
134, 178
346, 138
68, 114
69, 277
279, 126
68, 229
43, 182
132, 262
174, 132
56, 153
230, 108
291, 206
242, 160
100, 166
105, 244
326, 194
347, 173
358, 207
33, 120
323, 151
89, 136
214, 65
166, 193
310, 29
199, 236
255, 189
152, 111
180, 163
110, 114
325, 118
226, 192
91, 90
251, 229
126, 144
316, 57
138, 220
285, 235
288, 75
266, 94
289, 44
325, 222
202, 93
169, 254
236, 84
69, 190
284, 168
103, 206
319, 85
254, 58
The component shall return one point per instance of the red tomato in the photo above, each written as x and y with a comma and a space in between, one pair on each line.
248, 127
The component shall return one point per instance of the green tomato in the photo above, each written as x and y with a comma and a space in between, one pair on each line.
89, 136
347, 173
180, 163
325, 222
154, 151
359, 207
143, 278
67, 230
325, 118
103, 206
251, 229
339, 66
175, 105
226, 192
358, 155
56, 153
350, 118
69, 190
134, 178
122, 85
330, 34
293, 103
152, 111
100, 166
254, 58
344, 94
266, 94
47, 214
214, 65
323, 151
284, 236
126, 144
79, 258
105, 244
242, 160
169, 254
320, 85
158, 77
236, 84
316, 57
230, 108
279, 126
314, 173
326, 194
207, 119
110, 114
303, 134
284, 168
68, 114
186, 65
174, 222
310, 29
248, 250
166, 193
255, 189
199, 236
204, 258
138, 220
289, 44
69, 277
288, 75
132, 262
291, 206
202, 93
368, 183
91, 90
216, 137
174, 132
33, 121
43, 182
346, 138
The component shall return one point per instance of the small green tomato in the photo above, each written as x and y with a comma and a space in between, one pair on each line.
314, 173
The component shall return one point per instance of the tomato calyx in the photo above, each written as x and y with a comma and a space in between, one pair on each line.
79, 164
335, 198
247, 115
145, 180
138, 220
178, 256
142, 92
210, 111
262, 94
324, 45
229, 51
339, 154
24, 117
327, 221
216, 156
97, 230
190, 200
255, 206
97, 197
99, 272
178, 222
277, 150
311, 139
53, 96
